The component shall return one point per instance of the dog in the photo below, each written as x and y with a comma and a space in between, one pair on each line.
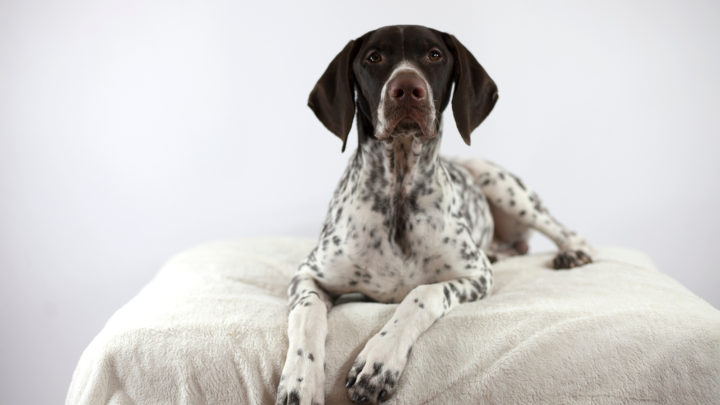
406, 225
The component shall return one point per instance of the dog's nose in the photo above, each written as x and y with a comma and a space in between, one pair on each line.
407, 86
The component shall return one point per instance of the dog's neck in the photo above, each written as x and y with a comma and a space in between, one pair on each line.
401, 165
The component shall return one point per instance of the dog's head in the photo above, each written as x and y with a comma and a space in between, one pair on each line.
402, 76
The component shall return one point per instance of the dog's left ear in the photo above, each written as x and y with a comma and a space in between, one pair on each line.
475, 92
333, 98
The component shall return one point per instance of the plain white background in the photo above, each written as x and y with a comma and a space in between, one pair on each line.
130, 130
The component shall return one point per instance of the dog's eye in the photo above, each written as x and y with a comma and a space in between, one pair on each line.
374, 57
434, 55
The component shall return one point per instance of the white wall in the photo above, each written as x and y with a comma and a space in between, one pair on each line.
131, 130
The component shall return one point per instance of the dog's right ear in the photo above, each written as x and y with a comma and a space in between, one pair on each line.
333, 97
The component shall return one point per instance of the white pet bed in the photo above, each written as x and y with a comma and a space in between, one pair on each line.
211, 328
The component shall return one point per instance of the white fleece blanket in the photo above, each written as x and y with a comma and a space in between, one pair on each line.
211, 328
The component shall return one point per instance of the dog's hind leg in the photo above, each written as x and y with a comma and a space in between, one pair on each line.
517, 209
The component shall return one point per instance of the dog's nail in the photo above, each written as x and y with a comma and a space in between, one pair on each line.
363, 398
355, 397
382, 396
350, 382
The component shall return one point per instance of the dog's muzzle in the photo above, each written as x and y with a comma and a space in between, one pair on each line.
407, 106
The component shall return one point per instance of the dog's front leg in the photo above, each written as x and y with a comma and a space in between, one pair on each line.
375, 373
302, 381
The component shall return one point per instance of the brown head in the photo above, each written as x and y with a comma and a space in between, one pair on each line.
399, 79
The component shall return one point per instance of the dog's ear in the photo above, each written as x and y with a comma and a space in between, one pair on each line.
333, 97
475, 92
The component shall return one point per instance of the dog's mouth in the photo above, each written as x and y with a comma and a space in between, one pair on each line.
406, 126
416, 122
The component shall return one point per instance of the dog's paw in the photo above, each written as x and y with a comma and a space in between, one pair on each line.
302, 381
371, 382
567, 259
374, 375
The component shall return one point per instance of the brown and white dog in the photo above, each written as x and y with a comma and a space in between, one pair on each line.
406, 225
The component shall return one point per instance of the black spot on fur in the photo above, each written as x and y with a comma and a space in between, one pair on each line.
519, 183
377, 367
294, 284
294, 398
338, 214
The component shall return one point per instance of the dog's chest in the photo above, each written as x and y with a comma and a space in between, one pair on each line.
384, 245
370, 260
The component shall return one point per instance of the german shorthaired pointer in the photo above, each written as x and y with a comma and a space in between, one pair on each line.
406, 225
